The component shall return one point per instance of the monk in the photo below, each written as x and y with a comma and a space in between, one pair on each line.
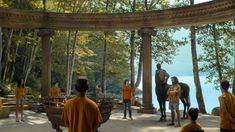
55, 93
192, 125
19, 94
80, 113
227, 108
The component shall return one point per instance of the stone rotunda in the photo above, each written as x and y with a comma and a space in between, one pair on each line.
145, 22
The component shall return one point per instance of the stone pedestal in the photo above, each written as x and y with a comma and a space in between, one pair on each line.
146, 34
45, 35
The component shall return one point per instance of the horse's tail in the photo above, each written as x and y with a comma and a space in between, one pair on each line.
185, 93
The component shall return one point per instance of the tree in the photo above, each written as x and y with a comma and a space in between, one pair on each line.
197, 83
132, 54
34, 48
218, 51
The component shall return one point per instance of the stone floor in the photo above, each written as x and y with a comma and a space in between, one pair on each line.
35, 122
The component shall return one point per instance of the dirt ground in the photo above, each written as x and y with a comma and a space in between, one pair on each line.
35, 122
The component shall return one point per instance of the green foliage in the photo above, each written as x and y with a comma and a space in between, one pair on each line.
26, 4
225, 44
164, 46
89, 47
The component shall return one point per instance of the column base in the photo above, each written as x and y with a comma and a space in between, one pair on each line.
149, 110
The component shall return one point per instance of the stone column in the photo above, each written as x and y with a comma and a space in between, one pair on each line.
234, 60
45, 35
146, 34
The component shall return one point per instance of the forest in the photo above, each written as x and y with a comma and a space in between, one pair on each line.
109, 57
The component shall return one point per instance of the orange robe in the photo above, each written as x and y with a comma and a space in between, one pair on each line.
190, 126
229, 100
126, 92
55, 92
19, 92
81, 114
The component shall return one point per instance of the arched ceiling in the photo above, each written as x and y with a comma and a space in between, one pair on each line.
209, 12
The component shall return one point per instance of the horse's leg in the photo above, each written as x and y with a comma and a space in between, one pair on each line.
160, 105
184, 103
164, 110
188, 105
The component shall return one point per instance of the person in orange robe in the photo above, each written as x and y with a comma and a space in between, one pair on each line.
80, 113
227, 108
192, 125
55, 93
19, 94
127, 96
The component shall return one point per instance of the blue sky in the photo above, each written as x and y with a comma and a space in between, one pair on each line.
182, 63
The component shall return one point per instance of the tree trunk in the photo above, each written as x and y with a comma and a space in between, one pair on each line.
132, 56
103, 76
12, 70
73, 59
68, 65
140, 68
0, 55
218, 65
7, 54
132, 60
199, 94
32, 58
146, 4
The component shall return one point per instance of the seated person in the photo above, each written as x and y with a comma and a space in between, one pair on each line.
55, 93
192, 125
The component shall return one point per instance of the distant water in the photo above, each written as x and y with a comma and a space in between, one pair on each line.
210, 95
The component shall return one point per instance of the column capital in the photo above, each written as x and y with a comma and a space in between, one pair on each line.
46, 32
147, 30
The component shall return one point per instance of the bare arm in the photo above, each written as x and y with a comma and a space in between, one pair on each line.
178, 89
166, 76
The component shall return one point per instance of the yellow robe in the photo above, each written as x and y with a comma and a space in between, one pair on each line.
19, 92
55, 92
229, 100
81, 114
190, 126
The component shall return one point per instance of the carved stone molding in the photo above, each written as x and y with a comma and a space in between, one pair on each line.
209, 12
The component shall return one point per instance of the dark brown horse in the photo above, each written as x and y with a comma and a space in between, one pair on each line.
161, 92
